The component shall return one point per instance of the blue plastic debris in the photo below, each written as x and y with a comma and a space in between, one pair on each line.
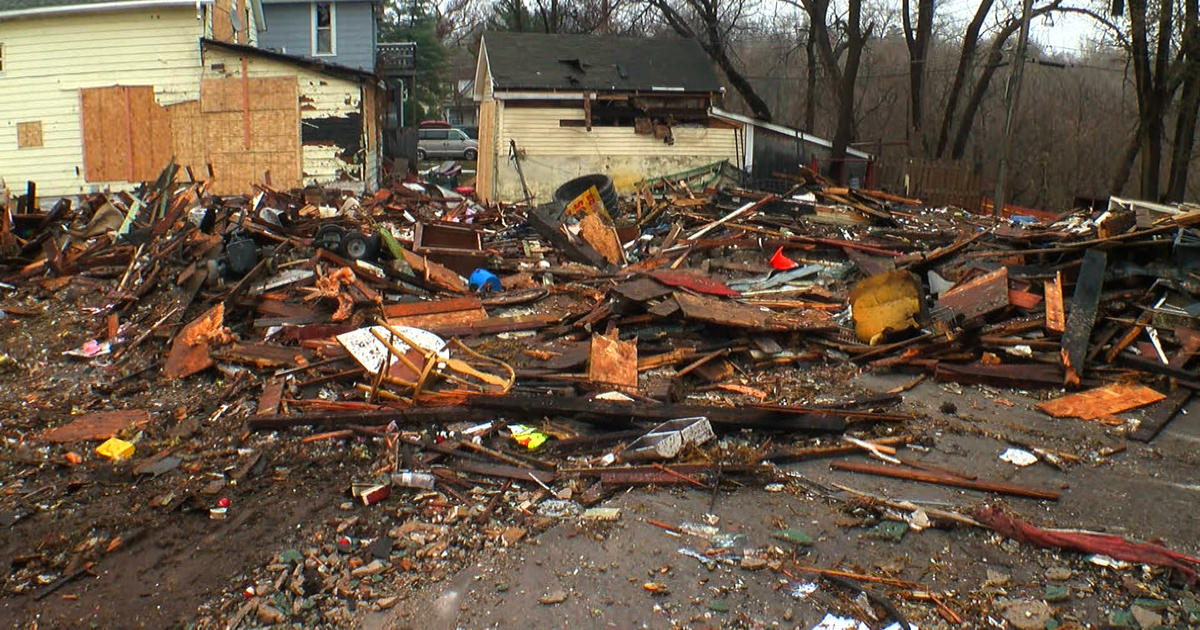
484, 280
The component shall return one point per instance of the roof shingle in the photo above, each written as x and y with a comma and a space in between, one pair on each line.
597, 62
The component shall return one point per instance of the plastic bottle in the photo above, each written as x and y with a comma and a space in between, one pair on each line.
410, 479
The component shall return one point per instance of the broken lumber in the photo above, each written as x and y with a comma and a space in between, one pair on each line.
1082, 317
943, 479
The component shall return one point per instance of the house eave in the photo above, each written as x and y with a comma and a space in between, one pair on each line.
97, 8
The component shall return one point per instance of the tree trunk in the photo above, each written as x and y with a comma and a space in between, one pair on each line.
1189, 104
995, 56
965, 60
917, 43
714, 44
810, 87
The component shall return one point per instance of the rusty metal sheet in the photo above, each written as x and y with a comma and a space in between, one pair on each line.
726, 313
693, 282
1100, 402
979, 296
99, 425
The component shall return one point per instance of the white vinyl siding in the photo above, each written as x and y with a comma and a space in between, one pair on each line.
47, 61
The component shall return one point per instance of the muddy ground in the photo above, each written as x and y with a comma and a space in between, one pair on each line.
160, 561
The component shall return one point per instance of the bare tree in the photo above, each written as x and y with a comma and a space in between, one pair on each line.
841, 58
966, 59
1189, 103
917, 41
715, 19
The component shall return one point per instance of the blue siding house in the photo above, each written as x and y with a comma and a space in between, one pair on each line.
340, 32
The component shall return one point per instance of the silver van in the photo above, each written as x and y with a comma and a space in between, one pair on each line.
433, 142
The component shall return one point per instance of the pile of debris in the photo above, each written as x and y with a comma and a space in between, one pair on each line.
505, 367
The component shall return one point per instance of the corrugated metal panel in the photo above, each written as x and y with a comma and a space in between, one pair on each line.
537, 131
48, 60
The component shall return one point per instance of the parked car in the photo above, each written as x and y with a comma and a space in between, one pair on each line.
445, 143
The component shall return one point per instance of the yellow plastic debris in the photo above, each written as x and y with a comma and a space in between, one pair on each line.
885, 303
115, 449
528, 437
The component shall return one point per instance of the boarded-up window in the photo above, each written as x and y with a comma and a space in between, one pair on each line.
29, 134
243, 128
126, 134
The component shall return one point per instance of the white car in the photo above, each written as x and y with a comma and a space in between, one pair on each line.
434, 142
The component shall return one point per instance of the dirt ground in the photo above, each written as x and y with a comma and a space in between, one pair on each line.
159, 560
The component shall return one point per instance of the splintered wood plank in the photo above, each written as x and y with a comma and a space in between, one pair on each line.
272, 395
428, 314
1156, 416
1082, 318
612, 362
726, 313
189, 352
435, 274
1024, 299
1056, 318
264, 355
99, 425
601, 236
1100, 402
979, 296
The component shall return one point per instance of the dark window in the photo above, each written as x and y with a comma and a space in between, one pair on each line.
323, 43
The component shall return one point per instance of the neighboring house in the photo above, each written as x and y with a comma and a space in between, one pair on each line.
179, 80
461, 108
340, 32
769, 149
577, 104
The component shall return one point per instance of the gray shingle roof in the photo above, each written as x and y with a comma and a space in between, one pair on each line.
597, 62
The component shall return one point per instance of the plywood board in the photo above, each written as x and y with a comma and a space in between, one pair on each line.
1100, 402
29, 134
126, 133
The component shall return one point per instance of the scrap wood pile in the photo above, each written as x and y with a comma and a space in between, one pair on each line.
573, 348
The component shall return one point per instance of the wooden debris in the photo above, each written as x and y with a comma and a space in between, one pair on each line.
1082, 317
1101, 401
613, 363
944, 479
979, 296
98, 425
